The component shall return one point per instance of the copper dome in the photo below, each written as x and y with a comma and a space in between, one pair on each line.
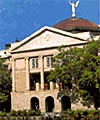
77, 24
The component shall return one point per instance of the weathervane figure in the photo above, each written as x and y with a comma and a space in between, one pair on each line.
74, 5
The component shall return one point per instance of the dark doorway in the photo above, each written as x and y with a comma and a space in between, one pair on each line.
65, 103
33, 79
49, 104
46, 83
35, 103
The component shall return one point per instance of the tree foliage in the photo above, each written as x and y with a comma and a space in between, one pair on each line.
5, 86
79, 67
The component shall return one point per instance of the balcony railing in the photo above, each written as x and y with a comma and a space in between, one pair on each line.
47, 86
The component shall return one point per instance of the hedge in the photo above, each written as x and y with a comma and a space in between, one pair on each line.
80, 115
21, 113
65, 115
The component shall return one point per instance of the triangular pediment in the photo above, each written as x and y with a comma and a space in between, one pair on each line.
48, 37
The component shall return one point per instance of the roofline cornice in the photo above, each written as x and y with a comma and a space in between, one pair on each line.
54, 47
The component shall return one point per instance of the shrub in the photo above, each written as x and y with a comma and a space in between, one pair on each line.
30, 112
80, 115
25, 113
13, 113
33, 113
2, 114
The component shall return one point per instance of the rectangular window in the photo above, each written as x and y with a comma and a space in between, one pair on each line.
52, 62
35, 63
49, 60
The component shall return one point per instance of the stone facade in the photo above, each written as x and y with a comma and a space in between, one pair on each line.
32, 57
21, 70
31, 62
22, 100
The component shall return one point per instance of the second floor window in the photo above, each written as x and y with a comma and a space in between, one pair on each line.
35, 63
49, 60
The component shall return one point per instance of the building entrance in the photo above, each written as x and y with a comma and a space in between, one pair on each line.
35, 103
65, 103
49, 104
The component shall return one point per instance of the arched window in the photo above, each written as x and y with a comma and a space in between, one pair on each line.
34, 103
49, 104
65, 103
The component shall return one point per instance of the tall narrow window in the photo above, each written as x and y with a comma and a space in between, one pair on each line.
35, 63
52, 65
49, 60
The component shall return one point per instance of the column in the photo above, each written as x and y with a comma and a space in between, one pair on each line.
57, 86
13, 75
51, 85
37, 86
27, 74
42, 72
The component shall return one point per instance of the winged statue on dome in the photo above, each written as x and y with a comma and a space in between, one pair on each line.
74, 5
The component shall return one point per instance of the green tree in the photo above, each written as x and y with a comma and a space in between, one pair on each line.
5, 86
79, 71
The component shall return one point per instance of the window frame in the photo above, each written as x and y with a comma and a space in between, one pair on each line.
35, 62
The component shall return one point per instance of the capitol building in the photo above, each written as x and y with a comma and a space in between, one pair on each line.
30, 61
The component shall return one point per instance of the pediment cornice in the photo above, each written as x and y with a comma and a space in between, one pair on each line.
49, 37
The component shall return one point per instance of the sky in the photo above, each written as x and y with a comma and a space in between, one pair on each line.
21, 18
